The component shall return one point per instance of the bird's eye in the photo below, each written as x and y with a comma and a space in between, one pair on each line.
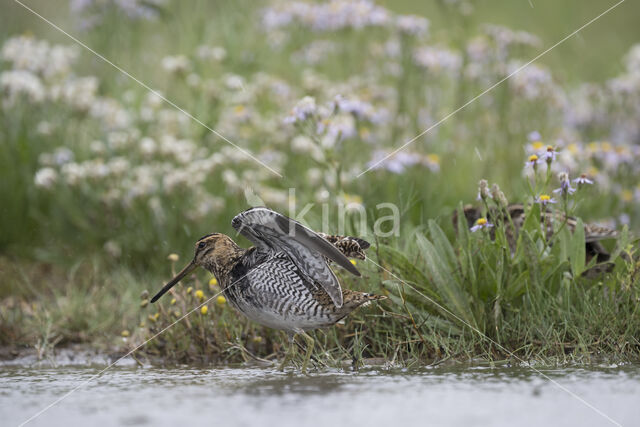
201, 245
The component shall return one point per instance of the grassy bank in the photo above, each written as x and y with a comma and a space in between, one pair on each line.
100, 179
467, 300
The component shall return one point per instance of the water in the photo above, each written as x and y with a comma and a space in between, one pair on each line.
472, 396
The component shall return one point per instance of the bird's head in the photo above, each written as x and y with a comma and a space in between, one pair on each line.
213, 252
471, 215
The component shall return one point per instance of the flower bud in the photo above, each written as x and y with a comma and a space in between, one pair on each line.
483, 190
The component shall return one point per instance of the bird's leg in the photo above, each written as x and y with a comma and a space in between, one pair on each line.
310, 343
290, 351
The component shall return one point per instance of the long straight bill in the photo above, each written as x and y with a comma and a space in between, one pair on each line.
188, 269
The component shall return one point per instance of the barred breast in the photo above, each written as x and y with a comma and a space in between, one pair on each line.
275, 294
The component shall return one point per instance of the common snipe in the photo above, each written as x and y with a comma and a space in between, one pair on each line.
593, 233
284, 281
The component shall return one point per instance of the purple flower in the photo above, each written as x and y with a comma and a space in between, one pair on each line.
532, 161
549, 155
545, 199
582, 179
534, 136
565, 185
563, 190
481, 224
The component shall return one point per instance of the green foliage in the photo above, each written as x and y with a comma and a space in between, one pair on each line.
78, 250
531, 296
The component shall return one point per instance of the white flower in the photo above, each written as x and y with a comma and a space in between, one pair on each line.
339, 128
412, 24
176, 64
214, 53
437, 59
37, 56
304, 109
73, 173
119, 165
234, 82
148, 146
62, 155
330, 16
21, 83
582, 179
46, 177
80, 93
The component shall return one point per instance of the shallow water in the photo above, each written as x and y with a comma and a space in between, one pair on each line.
375, 397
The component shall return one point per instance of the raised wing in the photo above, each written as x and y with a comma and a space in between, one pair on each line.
594, 233
269, 230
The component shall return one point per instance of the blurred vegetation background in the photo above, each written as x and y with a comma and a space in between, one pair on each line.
101, 181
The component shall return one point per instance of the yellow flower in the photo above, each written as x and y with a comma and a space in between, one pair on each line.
239, 109
124, 333
353, 261
481, 224
543, 198
152, 318
144, 303
204, 309
533, 158
257, 339
626, 195
173, 257
199, 294
173, 301
573, 148
189, 289
352, 198
221, 300
433, 158
537, 145
156, 316
213, 281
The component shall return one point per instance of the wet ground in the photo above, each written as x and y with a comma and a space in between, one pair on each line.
470, 396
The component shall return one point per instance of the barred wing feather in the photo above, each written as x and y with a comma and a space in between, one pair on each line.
271, 231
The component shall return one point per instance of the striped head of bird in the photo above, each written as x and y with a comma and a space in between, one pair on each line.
214, 252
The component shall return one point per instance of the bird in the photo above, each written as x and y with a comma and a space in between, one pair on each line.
593, 233
284, 281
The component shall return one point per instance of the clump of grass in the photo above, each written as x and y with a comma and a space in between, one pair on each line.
44, 306
535, 295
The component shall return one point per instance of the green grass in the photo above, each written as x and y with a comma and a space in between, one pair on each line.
592, 55
62, 281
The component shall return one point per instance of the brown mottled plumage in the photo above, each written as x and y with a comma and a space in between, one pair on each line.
351, 247
284, 282
593, 233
